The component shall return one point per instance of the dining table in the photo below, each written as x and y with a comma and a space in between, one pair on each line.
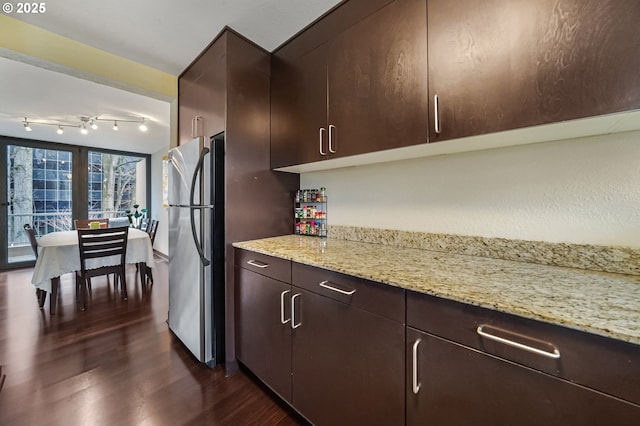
58, 254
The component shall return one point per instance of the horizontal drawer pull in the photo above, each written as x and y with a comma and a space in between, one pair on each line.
325, 284
555, 354
257, 264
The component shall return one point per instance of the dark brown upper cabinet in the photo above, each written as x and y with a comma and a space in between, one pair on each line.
201, 96
364, 89
497, 65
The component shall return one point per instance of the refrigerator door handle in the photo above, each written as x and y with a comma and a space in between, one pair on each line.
193, 208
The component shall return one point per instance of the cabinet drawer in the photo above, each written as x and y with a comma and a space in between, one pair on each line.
608, 365
377, 298
272, 267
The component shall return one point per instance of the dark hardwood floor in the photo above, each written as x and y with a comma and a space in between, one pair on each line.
114, 364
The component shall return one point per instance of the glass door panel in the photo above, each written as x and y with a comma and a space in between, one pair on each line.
117, 186
39, 193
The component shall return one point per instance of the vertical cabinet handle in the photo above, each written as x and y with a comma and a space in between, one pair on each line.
194, 126
321, 143
331, 132
293, 312
436, 113
414, 381
283, 320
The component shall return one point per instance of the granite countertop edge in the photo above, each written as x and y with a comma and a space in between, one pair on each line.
600, 303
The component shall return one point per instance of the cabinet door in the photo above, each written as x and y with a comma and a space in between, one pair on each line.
187, 108
212, 89
462, 386
299, 108
378, 81
498, 65
347, 364
263, 342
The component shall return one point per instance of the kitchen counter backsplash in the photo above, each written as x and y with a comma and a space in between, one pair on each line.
621, 260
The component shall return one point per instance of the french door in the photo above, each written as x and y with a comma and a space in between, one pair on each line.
38, 190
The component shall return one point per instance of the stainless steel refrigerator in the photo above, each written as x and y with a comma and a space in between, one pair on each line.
196, 247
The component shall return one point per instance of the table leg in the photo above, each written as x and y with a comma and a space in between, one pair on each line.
142, 267
53, 298
42, 295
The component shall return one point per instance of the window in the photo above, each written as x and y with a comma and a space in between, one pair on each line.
39, 192
116, 184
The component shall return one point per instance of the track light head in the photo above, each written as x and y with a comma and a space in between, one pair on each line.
60, 130
26, 125
83, 129
143, 126
93, 124
115, 125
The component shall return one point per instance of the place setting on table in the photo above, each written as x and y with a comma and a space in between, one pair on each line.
95, 247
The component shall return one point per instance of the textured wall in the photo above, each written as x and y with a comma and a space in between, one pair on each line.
581, 191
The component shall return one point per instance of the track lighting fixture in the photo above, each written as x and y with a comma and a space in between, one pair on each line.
85, 123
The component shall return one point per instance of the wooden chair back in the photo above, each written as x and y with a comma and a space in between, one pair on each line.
32, 238
115, 222
152, 228
84, 223
41, 294
144, 225
101, 242
95, 243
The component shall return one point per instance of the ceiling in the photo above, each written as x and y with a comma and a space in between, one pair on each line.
166, 35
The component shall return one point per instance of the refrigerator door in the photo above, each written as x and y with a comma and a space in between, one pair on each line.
189, 277
182, 163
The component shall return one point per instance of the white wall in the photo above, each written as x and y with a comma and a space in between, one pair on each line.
159, 212
580, 191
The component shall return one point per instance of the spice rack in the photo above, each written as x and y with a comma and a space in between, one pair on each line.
310, 214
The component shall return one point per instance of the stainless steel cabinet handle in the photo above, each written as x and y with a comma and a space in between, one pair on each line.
293, 312
331, 132
257, 264
322, 130
194, 126
282, 319
330, 287
436, 114
415, 384
555, 354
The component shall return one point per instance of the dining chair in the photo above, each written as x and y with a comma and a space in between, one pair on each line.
100, 243
143, 225
85, 223
151, 229
115, 222
40, 294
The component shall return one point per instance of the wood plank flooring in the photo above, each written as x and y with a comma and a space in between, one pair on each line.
116, 363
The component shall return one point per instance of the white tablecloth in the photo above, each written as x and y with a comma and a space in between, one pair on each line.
59, 254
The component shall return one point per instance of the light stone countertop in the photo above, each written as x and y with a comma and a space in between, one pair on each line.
602, 303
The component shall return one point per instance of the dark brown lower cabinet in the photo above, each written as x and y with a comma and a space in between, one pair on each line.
263, 342
347, 363
330, 345
452, 384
